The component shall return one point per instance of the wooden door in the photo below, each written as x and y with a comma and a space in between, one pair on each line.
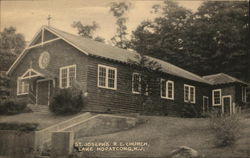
227, 104
43, 92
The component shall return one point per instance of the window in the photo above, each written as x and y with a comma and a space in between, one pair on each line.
107, 77
67, 76
136, 83
189, 93
167, 89
244, 94
22, 87
216, 97
205, 104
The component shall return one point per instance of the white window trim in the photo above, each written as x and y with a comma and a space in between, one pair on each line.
134, 92
189, 94
106, 81
203, 106
216, 90
243, 94
172, 82
18, 82
60, 75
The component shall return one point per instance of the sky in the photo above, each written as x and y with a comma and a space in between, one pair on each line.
29, 15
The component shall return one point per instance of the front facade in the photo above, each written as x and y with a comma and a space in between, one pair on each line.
56, 60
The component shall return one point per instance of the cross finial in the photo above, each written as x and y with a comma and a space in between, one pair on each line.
49, 18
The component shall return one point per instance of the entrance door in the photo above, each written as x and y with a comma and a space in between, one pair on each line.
227, 104
43, 92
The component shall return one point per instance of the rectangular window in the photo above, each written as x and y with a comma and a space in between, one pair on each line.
205, 104
136, 83
216, 97
167, 89
107, 77
22, 87
244, 94
170, 90
67, 76
189, 93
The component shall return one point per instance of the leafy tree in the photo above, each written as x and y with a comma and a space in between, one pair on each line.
119, 10
218, 37
148, 82
213, 40
88, 31
164, 36
11, 45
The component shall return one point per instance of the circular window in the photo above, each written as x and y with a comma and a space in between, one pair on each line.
44, 60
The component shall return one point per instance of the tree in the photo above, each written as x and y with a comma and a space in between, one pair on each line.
11, 45
119, 10
213, 40
164, 36
218, 37
146, 67
88, 31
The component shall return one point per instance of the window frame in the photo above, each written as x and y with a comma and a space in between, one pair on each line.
107, 68
203, 105
19, 80
167, 96
189, 94
67, 79
135, 92
213, 98
244, 94
166, 89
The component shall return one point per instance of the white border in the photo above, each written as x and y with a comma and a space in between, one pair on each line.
106, 81
216, 90
60, 75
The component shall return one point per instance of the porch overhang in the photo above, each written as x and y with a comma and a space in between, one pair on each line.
31, 73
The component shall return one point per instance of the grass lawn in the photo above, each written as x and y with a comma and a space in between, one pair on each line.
164, 134
43, 119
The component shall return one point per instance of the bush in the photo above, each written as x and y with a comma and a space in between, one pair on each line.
226, 129
66, 102
18, 126
11, 107
189, 110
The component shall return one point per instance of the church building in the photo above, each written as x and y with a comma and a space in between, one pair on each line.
57, 60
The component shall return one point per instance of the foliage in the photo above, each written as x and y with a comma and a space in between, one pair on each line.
18, 126
88, 31
67, 101
146, 67
119, 10
11, 44
188, 110
11, 107
4, 85
215, 37
226, 129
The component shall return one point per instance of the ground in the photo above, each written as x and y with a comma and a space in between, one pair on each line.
165, 134
42, 118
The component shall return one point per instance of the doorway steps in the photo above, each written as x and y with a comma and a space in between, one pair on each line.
39, 108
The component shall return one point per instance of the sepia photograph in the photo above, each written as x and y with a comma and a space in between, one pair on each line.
124, 79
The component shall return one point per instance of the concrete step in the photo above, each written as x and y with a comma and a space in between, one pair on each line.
44, 135
39, 108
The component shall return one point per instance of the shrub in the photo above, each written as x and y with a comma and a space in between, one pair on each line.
189, 110
67, 101
18, 126
11, 107
226, 129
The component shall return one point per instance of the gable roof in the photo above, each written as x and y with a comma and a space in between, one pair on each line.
91, 47
222, 78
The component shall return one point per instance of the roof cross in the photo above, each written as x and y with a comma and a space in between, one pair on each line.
49, 18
